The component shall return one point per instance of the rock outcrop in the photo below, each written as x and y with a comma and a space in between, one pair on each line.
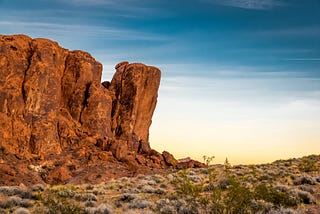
52, 103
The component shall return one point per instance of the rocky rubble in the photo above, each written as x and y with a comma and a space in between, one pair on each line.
55, 113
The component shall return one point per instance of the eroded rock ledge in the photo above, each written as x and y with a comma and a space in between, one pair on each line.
53, 104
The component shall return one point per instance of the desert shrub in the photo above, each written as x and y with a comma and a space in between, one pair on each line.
303, 196
90, 203
191, 172
16, 201
251, 179
187, 209
209, 187
167, 209
127, 197
152, 183
26, 203
261, 206
287, 164
21, 210
233, 197
11, 202
282, 210
148, 189
240, 166
305, 179
101, 209
98, 191
224, 183
195, 178
213, 202
208, 159
270, 194
173, 205
187, 189
89, 187
157, 178
140, 203
227, 166
204, 171
238, 197
131, 191
281, 188
307, 165
89, 197
37, 187
60, 203
164, 186
65, 192
77, 197
141, 177
307, 189
104, 209
185, 186
124, 179
11, 190
159, 191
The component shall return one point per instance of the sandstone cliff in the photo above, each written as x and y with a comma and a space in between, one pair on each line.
53, 107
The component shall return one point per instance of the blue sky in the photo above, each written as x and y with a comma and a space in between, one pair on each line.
241, 78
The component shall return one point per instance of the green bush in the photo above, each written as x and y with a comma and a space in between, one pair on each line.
237, 198
185, 186
307, 165
270, 194
60, 203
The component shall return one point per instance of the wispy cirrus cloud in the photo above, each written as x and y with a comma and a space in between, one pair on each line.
310, 31
303, 59
94, 2
250, 4
127, 8
68, 30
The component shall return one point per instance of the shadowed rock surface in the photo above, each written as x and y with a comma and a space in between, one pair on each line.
59, 123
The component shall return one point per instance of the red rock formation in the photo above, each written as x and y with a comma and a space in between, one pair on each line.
53, 103
135, 87
189, 163
169, 159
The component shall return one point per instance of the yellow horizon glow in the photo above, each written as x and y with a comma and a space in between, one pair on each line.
251, 144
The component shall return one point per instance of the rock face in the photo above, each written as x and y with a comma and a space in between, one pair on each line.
49, 97
135, 91
52, 102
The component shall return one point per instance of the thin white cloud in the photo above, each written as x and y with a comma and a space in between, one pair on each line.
66, 30
90, 2
313, 31
303, 59
264, 82
220, 70
271, 50
250, 4
99, 2
123, 8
